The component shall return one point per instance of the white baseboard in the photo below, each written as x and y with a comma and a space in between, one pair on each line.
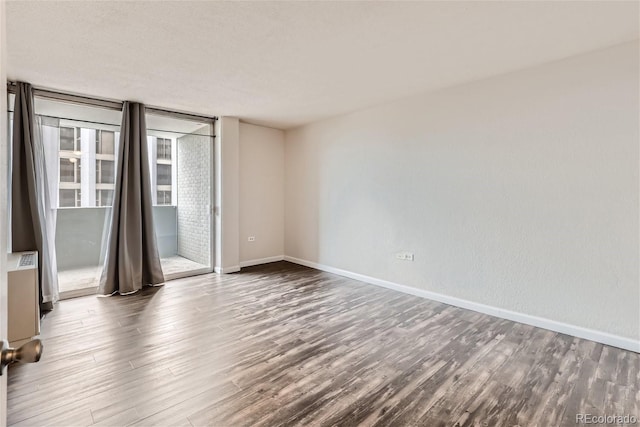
540, 322
259, 261
227, 270
183, 274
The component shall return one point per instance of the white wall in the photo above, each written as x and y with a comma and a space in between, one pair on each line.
519, 192
261, 193
227, 183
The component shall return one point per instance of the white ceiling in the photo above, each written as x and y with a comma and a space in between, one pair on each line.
284, 64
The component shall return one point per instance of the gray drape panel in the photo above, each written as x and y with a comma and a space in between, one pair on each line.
132, 259
29, 188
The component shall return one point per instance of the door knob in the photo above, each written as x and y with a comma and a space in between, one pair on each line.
27, 353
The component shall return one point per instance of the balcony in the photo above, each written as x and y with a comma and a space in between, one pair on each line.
80, 249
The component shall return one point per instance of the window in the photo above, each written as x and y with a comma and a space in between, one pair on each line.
70, 198
70, 169
105, 171
67, 198
67, 139
75, 144
104, 197
162, 183
79, 143
163, 149
164, 197
105, 142
164, 174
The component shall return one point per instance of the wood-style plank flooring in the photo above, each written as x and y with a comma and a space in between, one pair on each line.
282, 344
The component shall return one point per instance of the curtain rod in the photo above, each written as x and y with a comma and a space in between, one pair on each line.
105, 103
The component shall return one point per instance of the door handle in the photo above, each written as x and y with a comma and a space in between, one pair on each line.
27, 353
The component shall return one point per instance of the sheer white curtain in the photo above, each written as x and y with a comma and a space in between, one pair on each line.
48, 132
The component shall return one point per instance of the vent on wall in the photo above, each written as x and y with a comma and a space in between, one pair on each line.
27, 260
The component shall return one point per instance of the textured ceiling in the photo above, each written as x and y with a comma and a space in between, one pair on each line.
288, 63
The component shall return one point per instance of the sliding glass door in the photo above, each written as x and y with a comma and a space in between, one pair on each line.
181, 159
80, 154
80, 143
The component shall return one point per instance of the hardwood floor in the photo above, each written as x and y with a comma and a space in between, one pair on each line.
282, 344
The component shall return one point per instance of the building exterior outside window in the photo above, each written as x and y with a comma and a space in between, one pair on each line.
163, 148
87, 167
70, 159
164, 198
105, 142
164, 177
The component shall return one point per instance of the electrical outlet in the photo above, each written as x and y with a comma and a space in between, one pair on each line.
404, 256
252, 238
